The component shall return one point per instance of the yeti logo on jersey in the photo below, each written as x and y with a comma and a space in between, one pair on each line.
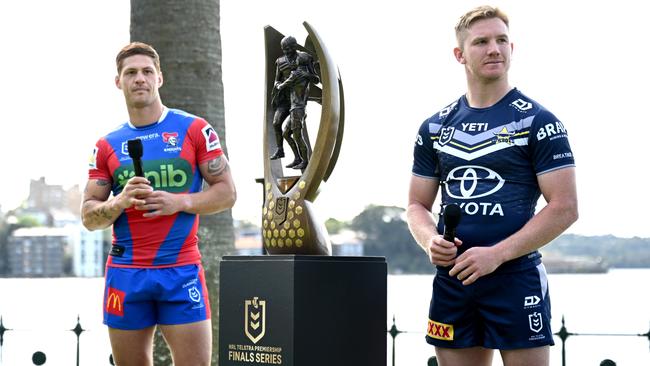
535, 322
446, 133
445, 112
522, 105
211, 138
462, 182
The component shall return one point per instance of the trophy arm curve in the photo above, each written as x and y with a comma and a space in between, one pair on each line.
326, 140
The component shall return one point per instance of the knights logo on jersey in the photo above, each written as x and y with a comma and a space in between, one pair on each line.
255, 319
211, 138
446, 134
170, 138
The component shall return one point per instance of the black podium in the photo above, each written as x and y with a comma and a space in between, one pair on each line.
297, 310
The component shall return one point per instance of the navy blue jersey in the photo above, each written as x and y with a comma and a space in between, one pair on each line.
487, 161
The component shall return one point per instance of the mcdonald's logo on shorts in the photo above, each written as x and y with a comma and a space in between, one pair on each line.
115, 302
440, 331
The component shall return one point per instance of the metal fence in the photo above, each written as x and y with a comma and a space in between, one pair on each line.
39, 358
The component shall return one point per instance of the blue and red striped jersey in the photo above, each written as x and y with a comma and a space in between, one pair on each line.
173, 148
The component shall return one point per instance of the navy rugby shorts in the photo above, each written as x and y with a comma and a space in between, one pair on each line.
500, 311
137, 298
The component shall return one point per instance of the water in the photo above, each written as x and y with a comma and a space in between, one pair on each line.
616, 302
42, 313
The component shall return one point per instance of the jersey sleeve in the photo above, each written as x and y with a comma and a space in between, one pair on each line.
206, 141
424, 157
98, 163
549, 143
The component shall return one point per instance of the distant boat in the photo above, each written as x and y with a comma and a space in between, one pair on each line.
574, 264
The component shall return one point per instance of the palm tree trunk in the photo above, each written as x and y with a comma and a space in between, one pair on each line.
187, 36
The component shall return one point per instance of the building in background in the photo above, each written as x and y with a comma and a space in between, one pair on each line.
248, 241
346, 243
87, 252
39, 252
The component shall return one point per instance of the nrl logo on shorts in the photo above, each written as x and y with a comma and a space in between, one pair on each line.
255, 319
535, 322
446, 133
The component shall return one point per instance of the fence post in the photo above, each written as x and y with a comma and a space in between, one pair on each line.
78, 330
563, 334
2, 336
394, 332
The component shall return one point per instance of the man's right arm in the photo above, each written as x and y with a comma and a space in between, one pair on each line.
98, 211
422, 193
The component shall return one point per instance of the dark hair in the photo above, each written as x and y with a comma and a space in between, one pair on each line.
137, 48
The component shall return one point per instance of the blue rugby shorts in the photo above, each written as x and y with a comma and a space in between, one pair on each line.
137, 298
500, 311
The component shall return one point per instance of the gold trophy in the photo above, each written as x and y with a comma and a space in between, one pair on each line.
295, 76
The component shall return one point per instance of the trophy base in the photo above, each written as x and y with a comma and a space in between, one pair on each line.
302, 310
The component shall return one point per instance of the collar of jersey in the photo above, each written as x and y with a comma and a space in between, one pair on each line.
162, 118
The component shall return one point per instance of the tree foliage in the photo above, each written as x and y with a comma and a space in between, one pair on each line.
385, 233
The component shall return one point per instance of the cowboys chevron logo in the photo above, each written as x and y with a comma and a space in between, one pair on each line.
255, 319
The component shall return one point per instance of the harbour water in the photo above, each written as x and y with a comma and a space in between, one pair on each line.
42, 312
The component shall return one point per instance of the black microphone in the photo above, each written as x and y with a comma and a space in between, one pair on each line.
451, 216
135, 152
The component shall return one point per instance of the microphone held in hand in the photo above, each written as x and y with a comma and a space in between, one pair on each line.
451, 216
135, 152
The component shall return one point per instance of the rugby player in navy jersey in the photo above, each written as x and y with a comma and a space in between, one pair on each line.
492, 152
154, 275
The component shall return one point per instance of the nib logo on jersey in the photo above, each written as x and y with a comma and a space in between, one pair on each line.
470, 182
171, 175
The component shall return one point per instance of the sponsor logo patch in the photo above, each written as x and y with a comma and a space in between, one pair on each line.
115, 302
211, 139
522, 105
440, 331
531, 300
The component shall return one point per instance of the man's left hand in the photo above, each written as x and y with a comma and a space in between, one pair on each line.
474, 263
160, 203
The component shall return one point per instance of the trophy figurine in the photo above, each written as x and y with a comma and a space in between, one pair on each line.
293, 75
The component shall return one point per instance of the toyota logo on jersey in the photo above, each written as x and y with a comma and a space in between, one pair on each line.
463, 182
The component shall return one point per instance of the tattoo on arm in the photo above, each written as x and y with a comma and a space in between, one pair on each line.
217, 166
102, 183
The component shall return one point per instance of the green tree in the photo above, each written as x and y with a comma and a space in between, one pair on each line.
385, 233
187, 36
334, 226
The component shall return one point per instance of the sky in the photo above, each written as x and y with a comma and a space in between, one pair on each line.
587, 65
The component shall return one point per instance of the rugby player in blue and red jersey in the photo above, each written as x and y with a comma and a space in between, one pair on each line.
154, 275
492, 152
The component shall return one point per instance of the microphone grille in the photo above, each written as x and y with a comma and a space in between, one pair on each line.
452, 215
135, 148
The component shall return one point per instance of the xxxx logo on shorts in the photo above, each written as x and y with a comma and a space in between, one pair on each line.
440, 331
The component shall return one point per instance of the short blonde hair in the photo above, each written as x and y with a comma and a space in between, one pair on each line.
476, 14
